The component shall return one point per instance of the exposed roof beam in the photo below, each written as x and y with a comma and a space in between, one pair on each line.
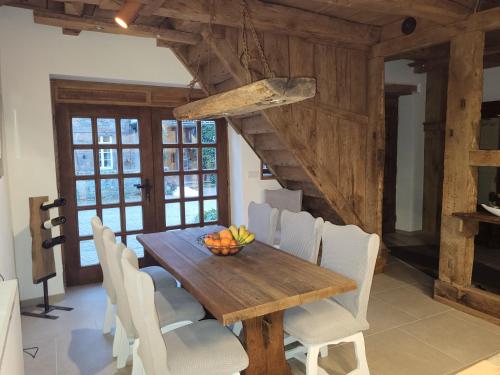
487, 20
440, 11
74, 8
105, 26
272, 17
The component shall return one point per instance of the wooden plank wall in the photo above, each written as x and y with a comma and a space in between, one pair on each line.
331, 135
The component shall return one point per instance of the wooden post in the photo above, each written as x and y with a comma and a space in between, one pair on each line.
375, 152
435, 120
465, 93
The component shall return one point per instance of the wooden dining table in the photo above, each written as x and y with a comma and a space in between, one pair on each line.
255, 286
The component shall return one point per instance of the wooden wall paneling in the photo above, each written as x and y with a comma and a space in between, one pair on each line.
326, 72
435, 119
465, 88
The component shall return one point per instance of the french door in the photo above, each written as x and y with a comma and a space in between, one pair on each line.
140, 171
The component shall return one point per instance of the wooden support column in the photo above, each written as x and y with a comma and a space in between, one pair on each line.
375, 152
465, 92
435, 120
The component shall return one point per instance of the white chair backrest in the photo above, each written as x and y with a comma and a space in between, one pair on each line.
284, 199
140, 292
97, 229
351, 252
113, 255
262, 221
301, 234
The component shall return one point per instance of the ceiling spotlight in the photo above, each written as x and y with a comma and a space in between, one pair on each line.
128, 13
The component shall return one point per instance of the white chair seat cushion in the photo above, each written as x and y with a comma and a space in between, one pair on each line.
175, 305
161, 277
205, 348
321, 321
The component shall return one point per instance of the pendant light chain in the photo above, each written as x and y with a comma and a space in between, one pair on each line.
248, 23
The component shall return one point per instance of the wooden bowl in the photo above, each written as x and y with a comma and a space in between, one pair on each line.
222, 250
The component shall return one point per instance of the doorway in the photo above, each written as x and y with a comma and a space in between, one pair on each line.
140, 171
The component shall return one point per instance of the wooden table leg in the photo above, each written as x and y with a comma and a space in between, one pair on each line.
263, 341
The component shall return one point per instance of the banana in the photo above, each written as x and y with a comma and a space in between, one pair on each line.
242, 231
234, 232
249, 239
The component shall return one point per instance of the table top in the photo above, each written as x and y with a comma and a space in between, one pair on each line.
259, 280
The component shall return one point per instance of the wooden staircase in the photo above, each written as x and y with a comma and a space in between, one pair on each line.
290, 139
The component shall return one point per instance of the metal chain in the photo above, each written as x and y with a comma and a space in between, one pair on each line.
247, 22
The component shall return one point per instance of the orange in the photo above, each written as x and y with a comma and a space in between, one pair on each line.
234, 250
225, 250
215, 250
225, 242
234, 243
216, 243
226, 233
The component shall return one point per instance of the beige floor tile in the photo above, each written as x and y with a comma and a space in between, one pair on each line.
340, 361
490, 327
45, 361
382, 283
396, 353
461, 339
383, 316
412, 301
409, 275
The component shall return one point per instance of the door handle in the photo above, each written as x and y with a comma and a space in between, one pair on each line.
146, 188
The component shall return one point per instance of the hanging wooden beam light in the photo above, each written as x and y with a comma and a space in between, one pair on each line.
256, 96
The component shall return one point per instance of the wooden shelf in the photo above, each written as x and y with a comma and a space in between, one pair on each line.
478, 216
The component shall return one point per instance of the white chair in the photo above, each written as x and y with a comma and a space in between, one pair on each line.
201, 348
283, 199
262, 221
161, 277
176, 307
109, 316
301, 234
349, 251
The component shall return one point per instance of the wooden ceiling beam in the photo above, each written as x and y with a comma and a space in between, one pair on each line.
440, 11
487, 20
73, 8
106, 26
273, 18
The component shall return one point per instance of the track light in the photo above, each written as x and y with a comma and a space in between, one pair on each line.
128, 13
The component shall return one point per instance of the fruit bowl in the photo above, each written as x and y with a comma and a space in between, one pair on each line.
228, 241
493, 210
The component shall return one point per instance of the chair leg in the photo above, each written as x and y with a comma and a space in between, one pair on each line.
359, 348
123, 349
312, 360
109, 317
117, 338
324, 351
137, 368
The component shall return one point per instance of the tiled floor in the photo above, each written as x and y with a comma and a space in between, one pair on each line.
410, 333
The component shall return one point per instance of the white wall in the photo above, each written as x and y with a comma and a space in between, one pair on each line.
7, 265
29, 55
246, 185
410, 160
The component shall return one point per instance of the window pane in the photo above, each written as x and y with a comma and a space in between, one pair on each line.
85, 193
133, 216
84, 162
130, 131
208, 133
110, 191
88, 253
208, 158
84, 227
169, 131
190, 159
106, 131
172, 188
192, 212
189, 132
172, 214
111, 219
108, 161
134, 245
209, 184
131, 160
132, 193
210, 212
191, 187
82, 130
170, 159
